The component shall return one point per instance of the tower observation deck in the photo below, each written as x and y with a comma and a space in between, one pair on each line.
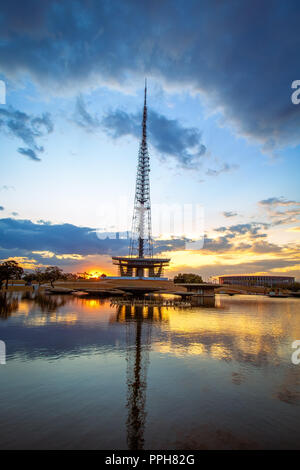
140, 260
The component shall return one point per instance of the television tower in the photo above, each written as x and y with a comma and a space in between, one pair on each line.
141, 241
140, 261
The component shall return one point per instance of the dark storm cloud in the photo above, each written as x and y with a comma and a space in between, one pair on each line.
27, 128
167, 136
60, 239
27, 237
241, 55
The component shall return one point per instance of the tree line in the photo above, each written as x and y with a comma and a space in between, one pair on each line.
11, 270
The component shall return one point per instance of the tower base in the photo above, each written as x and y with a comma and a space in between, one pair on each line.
140, 267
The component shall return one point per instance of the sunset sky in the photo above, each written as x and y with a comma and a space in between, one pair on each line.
222, 129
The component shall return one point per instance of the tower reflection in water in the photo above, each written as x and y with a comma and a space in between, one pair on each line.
139, 320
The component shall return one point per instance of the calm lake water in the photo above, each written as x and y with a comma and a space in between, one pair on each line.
82, 374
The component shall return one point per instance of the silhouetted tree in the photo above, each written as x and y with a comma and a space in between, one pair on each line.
10, 270
39, 276
70, 277
52, 274
29, 277
187, 278
84, 275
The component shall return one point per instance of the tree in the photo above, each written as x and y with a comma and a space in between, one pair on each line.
70, 277
52, 274
39, 276
29, 277
187, 278
10, 270
84, 275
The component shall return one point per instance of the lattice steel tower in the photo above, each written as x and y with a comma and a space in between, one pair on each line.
141, 239
140, 261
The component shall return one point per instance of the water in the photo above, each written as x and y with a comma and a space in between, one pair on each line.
81, 374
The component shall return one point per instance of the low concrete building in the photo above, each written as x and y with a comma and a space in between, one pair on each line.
252, 280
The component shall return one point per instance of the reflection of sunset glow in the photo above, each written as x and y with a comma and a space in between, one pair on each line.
55, 318
247, 329
154, 314
232, 332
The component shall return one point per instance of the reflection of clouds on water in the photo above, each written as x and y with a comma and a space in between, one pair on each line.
228, 367
248, 331
259, 351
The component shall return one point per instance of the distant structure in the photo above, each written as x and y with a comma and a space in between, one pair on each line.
140, 260
265, 281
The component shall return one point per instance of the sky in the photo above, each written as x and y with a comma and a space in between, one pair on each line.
223, 131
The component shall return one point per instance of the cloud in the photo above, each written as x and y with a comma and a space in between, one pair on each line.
251, 229
60, 239
6, 188
265, 247
230, 214
236, 249
83, 118
27, 128
281, 217
220, 244
167, 136
64, 239
225, 168
278, 201
29, 153
240, 238
227, 51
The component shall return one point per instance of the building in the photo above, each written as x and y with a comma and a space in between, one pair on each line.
252, 280
140, 262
